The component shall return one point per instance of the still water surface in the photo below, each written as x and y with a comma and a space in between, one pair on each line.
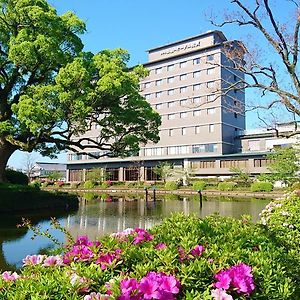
97, 218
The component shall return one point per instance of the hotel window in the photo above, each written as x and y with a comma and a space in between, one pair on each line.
158, 106
183, 115
148, 96
211, 128
178, 150
158, 94
158, 71
235, 115
196, 74
197, 129
182, 64
198, 148
183, 89
171, 132
197, 100
158, 82
170, 67
183, 77
171, 116
170, 80
211, 111
196, 87
170, 92
197, 113
171, 104
183, 131
210, 57
147, 85
210, 84
210, 71
184, 102
197, 61
204, 148
211, 98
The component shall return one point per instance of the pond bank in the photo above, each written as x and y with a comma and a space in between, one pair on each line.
272, 195
22, 199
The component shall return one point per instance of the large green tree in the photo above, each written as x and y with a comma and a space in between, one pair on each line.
51, 92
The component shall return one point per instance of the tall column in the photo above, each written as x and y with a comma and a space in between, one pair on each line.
67, 175
83, 174
142, 173
121, 174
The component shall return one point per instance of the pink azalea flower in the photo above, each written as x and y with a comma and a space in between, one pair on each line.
8, 276
56, 260
169, 284
220, 294
224, 280
197, 251
239, 277
31, 260
161, 246
128, 285
142, 236
149, 288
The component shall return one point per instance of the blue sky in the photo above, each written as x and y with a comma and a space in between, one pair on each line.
138, 25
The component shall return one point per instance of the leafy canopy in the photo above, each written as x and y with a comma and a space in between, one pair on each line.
51, 92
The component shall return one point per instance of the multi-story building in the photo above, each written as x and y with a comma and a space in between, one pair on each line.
201, 118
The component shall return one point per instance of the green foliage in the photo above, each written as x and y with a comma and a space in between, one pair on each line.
163, 170
241, 176
295, 186
51, 85
105, 185
171, 185
199, 185
261, 186
89, 184
226, 186
36, 184
15, 177
90, 196
54, 175
96, 174
285, 164
75, 185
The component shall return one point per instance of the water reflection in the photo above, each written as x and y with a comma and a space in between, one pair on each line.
96, 218
103, 214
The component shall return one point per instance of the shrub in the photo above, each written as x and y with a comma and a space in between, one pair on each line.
45, 184
171, 185
59, 184
105, 185
295, 186
199, 185
75, 185
89, 184
261, 186
36, 184
15, 177
226, 186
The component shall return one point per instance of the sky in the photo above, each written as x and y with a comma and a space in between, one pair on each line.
139, 25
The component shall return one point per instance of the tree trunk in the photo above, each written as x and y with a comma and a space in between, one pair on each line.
6, 150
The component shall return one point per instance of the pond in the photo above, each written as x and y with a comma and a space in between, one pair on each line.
98, 217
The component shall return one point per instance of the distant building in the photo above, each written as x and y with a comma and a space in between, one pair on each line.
42, 170
202, 128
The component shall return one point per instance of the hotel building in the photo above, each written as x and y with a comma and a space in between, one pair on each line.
202, 125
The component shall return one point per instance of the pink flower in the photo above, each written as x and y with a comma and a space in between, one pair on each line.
182, 254
239, 277
56, 260
31, 260
149, 288
128, 288
169, 284
197, 251
96, 296
220, 294
142, 236
160, 246
80, 283
8, 276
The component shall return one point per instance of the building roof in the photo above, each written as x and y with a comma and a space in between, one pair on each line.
210, 32
51, 166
